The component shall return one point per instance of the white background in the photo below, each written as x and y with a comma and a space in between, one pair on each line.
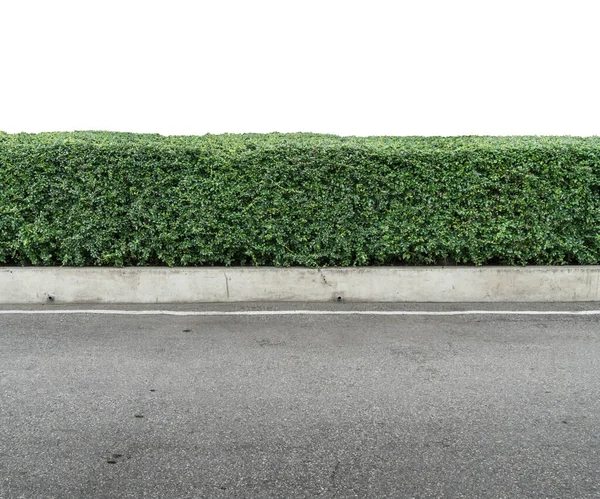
375, 67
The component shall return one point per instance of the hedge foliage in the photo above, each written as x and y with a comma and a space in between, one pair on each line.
100, 198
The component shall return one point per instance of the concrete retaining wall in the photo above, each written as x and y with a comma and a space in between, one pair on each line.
30, 285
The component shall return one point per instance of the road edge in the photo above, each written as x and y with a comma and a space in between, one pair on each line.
145, 285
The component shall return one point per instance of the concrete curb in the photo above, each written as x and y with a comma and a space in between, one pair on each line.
34, 285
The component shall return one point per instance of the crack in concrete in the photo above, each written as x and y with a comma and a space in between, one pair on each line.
226, 283
324, 279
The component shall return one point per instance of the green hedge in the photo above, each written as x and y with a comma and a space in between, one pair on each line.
100, 198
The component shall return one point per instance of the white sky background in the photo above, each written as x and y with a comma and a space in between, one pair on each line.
374, 67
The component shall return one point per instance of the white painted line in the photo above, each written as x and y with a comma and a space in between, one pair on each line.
302, 312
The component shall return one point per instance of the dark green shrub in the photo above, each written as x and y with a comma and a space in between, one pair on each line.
99, 198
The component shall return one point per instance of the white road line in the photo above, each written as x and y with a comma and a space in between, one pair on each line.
302, 312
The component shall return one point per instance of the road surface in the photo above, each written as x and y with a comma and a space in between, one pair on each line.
299, 405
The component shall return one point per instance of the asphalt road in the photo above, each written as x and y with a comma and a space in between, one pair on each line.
107, 406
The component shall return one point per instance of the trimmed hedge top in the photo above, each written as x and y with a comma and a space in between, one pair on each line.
100, 198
